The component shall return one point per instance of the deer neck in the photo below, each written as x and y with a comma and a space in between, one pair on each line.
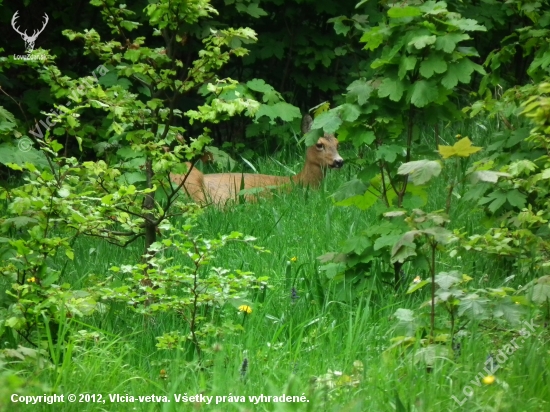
311, 175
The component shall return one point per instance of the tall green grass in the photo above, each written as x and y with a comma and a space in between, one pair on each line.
290, 344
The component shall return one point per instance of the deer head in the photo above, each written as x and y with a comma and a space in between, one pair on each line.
29, 40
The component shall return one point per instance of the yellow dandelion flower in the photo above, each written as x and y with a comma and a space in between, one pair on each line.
294, 259
245, 309
31, 280
488, 380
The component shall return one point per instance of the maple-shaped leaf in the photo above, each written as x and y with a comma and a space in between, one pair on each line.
328, 121
448, 41
541, 290
422, 41
374, 37
433, 64
391, 87
420, 171
467, 24
407, 63
361, 90
339, 26
423, 93
462, 148
473, 306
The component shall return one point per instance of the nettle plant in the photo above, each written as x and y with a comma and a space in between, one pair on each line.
128, 196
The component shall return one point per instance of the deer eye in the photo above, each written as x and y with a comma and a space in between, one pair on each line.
320, 145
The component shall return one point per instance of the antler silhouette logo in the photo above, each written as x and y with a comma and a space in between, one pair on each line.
29, 40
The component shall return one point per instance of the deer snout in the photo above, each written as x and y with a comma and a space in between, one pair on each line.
338, 163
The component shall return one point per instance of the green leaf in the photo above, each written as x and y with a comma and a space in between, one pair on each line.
255, 10
259, 85
400, 12
361, 202
446, 280
65, 191
508, 310
350, 188
458, 72
328, 121
415, 286
407, 63
107, 199
389, 152
404, 247
516, 198
281, 110
541, 290
420, 171
127, 153
19, 221
311, 137
129, 25
374, 37
133, 55
473, 307
366, 137
356, 244
339, 26
406, 315
424, 92
433, 64
497, 199
406, 325
393, 88
349, 112
467, 24
361, 90
56, 146
389, 241
422, 41
132, 177
23, 153
448, 42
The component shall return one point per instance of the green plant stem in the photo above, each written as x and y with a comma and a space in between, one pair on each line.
432, 315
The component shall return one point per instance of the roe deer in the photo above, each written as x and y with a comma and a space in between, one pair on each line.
218, 188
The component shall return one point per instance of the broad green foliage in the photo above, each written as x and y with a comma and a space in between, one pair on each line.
419, 58
195, 291
128, 195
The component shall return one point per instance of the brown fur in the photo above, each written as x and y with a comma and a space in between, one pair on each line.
219, 188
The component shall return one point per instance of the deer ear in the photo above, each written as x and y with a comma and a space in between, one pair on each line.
306, 123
